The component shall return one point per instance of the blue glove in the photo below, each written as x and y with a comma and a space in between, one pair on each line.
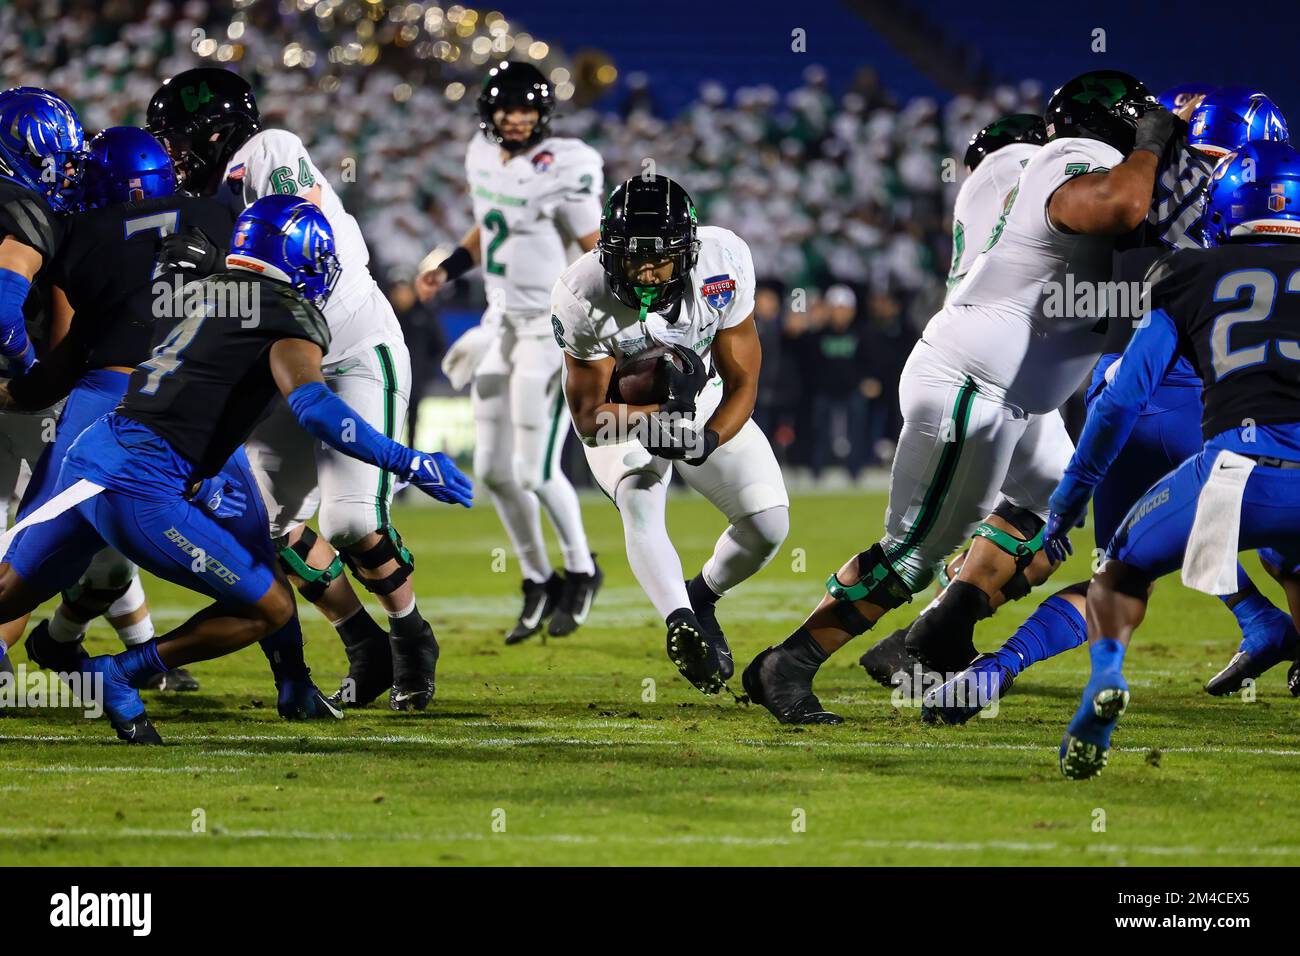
437, 476
1056, 533
222, 496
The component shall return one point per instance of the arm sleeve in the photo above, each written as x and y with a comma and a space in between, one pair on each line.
570, 325
1113, 414
578, 210
13, 322
742, 301
280, 166
327, 417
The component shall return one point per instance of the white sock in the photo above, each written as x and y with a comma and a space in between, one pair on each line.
137, 633
521, 514
642, 500
400, 614
129, 602
745, 548
561, 503
64, 629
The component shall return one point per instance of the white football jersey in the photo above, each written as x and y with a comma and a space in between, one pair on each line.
1011, 322
275, 161
979, 203
590, 323
528, 209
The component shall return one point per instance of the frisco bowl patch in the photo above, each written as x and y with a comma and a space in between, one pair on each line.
543, 160
718, 290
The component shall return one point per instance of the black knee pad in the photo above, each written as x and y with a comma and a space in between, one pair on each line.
1023, 520
389, 548
878, 583
94, 601
293, 559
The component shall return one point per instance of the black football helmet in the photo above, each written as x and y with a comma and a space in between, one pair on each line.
520, 85
202, 116
1015, 128
648, 218
1101, 104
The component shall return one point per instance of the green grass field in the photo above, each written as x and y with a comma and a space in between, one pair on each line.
556, 753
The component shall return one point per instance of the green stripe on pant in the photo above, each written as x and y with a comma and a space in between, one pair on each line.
932, 504
385, 356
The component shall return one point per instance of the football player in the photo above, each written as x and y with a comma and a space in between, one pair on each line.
533, 195
1166, 433
209, 121
42, 148
981, 449
141, 478
104, 279
1242, 490
994, 159
657, 277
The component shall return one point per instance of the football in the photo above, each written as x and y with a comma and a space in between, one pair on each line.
640, 378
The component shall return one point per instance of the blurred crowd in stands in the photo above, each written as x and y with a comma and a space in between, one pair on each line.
843, 197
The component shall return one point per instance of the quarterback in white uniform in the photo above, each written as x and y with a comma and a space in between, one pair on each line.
534, 196
657, 280
981, 450
209, 122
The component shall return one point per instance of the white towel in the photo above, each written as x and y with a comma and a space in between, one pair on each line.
1210, 563
68, 498
464, 355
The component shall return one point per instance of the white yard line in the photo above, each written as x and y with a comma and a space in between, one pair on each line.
962, 846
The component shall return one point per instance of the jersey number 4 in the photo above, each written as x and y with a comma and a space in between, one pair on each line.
166, 358
1263, 296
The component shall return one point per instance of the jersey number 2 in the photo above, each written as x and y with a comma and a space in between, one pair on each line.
1263, 294
496, 221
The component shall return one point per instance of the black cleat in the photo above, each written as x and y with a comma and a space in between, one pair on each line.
370, 671
887, 661
175, 681
138, 731
62, 657
300, 699
786, 693
1293, 679
706, 610
576, 597
1238, 670
703, 659
415, 663
935, 649
540, 602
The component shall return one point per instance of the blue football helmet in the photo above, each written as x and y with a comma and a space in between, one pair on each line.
1254, 194
288, 239
42, 146
125, 164
1232, 116
1178, 96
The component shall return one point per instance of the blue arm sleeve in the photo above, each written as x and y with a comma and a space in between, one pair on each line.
13, 324
326, 416
1113, 414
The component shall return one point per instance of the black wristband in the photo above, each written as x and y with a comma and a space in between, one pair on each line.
457, 264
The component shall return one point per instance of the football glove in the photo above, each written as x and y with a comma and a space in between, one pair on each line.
437, 476
684, 383
221, 496
190, 251
1155, 128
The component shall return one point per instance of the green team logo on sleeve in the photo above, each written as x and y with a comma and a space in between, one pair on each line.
1075, 169
558, 329
958, 250
1002, 219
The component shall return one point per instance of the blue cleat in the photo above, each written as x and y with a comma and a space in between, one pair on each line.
968, 693
299, 699
1086, 744
121, 702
